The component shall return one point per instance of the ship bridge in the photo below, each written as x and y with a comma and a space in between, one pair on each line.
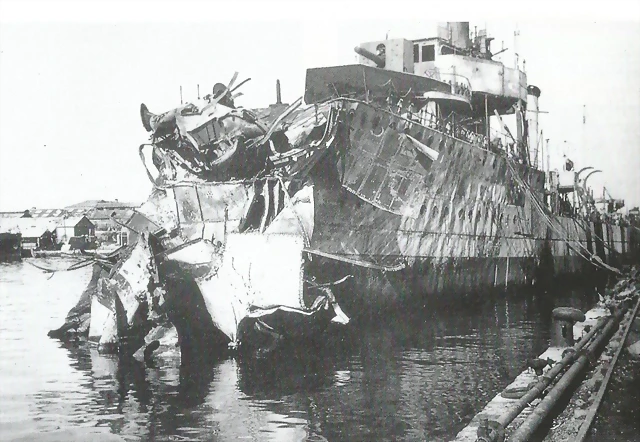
449, 80
453, 58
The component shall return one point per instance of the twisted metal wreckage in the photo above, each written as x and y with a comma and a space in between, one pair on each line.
219, 249
257, 216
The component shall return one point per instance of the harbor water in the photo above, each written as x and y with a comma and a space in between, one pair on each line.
421, 375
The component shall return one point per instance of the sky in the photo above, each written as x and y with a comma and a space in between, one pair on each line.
73, 75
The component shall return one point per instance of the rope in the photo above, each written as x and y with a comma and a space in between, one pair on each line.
584, 253
76, 266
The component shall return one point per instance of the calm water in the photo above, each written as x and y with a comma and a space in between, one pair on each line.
419, 377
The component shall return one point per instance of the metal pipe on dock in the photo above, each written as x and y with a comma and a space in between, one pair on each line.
603, 388
535, 419
554, 371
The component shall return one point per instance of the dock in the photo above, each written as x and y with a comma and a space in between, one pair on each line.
575, 421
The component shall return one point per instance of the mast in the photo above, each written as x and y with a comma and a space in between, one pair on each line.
584, 128
541, 151
486, 118
516, 34
548, 156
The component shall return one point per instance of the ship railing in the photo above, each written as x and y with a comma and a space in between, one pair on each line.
424, 117
498, 140
459, 84
447, 126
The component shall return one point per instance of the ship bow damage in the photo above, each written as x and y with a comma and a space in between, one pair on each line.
221, 247
260, 288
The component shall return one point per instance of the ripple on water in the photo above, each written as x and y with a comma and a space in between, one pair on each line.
415, 377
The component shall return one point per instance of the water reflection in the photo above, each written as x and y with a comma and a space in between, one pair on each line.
417, 376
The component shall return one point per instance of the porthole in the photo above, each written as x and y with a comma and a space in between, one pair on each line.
434, 212
461, 214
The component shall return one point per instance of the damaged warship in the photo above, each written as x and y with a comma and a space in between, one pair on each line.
384, 184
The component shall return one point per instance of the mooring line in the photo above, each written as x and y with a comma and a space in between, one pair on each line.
586, 425
72, 267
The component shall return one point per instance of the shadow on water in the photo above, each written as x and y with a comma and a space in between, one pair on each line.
418, 373
151, 401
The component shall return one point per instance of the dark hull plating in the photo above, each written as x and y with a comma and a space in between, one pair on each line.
467, 221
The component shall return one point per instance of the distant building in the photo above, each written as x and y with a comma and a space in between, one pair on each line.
107, 216
10, 246
37, 233
99, 218
75, 227
20, 214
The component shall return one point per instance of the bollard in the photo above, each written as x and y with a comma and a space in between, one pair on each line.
563, 319
533, 421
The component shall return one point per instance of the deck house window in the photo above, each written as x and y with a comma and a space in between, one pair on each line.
416, 53
446, 50
428, 53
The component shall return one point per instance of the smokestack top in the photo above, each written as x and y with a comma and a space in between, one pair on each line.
278, 93
533, 90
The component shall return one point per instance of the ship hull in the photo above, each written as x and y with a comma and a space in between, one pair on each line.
456, 221
391, 279
408, 211
374, 290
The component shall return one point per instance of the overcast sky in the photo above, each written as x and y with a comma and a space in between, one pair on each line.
72, 78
